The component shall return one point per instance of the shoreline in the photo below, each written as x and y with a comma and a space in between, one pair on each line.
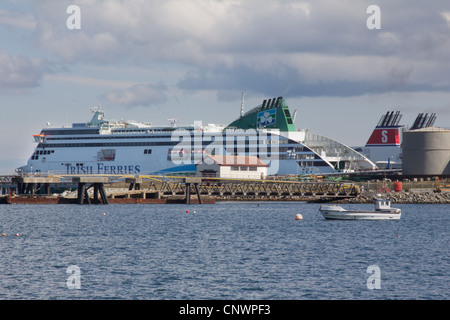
403, 197
365, 197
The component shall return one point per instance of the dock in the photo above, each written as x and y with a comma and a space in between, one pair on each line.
104, 189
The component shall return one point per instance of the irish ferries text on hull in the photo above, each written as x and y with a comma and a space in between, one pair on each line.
123, 147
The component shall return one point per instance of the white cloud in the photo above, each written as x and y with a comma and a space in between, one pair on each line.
194, 32
446, 16
137, 95
285, 43
88, 81
74, 46
19, 73
17, 20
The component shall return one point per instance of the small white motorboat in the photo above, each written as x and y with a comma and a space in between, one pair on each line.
383, 211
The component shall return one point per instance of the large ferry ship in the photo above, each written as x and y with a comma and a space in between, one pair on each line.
267, 131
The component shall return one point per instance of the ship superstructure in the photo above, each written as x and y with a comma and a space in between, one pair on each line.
384, 146
267, 131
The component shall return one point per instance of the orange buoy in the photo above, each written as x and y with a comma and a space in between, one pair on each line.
3, 234
298, 217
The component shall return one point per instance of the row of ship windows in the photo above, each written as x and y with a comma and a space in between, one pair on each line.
302, 158
43, 152
246, 140
281, 156
112, 144
38, 153
246, 147
312, 163
106, 137
50, 136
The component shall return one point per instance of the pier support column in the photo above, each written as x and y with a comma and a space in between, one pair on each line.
96, 191
86, 196
188, 193
188, 182
135, 183
47, 188
20, 188
96, 183
102, 191
30, 188
81, 192
27, 184
198, 193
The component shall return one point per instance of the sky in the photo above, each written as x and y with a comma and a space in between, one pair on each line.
339, 64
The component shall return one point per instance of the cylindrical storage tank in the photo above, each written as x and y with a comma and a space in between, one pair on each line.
398, 186
426, 152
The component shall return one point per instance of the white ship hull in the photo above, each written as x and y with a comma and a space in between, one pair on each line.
338, 213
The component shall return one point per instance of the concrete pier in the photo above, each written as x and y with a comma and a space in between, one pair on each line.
170, 189
31, 185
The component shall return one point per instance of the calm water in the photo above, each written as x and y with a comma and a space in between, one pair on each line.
221, 251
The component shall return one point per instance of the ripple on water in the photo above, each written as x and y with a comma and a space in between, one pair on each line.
222, 251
